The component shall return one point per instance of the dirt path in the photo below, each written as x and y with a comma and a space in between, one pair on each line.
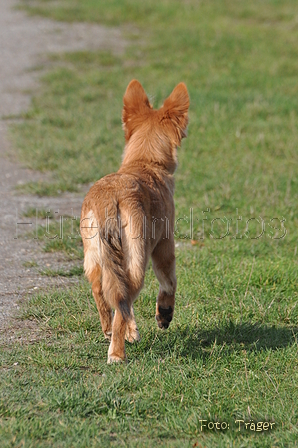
24, 43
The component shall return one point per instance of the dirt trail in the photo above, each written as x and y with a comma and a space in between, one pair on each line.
24, 43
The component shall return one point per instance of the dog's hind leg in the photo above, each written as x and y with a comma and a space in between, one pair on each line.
163, 263
116, 351
124, 289
136, 260
104, 309
124, 327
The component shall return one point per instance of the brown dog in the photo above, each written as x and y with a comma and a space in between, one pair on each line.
129, 215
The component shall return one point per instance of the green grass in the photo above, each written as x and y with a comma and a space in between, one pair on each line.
57, 232
62, 236
230, 353
231, 350
30, 264
72, 272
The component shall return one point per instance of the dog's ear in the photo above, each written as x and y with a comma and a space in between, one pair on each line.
135, 103
176, 107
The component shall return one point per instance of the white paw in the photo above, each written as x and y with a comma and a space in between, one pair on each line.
113, 358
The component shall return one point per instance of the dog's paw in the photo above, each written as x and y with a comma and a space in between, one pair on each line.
114, 358
132, 334
164, 316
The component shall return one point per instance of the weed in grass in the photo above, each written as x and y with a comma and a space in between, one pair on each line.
33, 212
74, 271
41, 188
30, 264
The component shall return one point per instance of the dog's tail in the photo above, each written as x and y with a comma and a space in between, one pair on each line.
114, 278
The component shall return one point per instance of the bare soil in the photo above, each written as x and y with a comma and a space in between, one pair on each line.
25, 43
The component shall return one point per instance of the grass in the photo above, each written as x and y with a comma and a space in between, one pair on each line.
72, 272
57, 232
230, 354
62, 236
231, 351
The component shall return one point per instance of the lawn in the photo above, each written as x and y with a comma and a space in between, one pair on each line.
230, 354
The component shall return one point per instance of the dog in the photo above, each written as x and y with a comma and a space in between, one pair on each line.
128, 216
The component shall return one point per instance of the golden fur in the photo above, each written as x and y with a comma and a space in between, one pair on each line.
128, 216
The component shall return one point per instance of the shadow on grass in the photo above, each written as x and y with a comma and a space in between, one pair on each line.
245, 336
193, 342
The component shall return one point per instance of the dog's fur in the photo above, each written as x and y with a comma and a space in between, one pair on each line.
129, 215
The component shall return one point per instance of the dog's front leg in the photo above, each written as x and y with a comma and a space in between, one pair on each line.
163, 263
164, 309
